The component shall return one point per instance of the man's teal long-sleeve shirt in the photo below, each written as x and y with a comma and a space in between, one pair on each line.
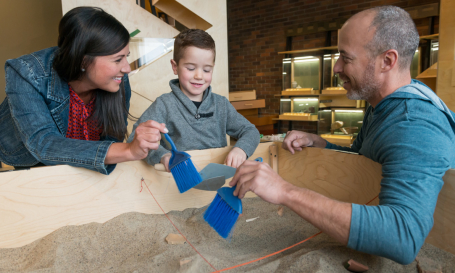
411, 134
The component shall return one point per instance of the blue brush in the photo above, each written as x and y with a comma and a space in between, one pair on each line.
223, 212
185, 174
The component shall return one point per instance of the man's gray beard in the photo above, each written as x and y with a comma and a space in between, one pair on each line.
368, 86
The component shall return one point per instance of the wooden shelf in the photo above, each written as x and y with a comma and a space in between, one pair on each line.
297, 93
248, 104
294, 119
429, 37
425, 37
309, 50
310, 95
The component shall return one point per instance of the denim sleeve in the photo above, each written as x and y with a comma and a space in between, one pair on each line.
40, 134
244, 131
157, 112
414, 158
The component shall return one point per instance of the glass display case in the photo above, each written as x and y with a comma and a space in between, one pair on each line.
299, 108
415, 65
325, 121
285, 106
338, 118
287, 70
309, 105
301, 72
306, 72
434, 52
340, 121
305, 105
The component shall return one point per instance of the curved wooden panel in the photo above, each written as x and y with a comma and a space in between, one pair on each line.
34, 203
341, 176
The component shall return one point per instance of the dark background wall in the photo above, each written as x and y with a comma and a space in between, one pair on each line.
256, 33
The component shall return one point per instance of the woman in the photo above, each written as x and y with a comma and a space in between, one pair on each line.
69, 104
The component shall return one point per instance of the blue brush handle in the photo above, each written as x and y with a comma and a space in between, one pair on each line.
227, 194
259, 159
168, 138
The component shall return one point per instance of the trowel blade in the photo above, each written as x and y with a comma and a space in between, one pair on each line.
214, 170
211, 184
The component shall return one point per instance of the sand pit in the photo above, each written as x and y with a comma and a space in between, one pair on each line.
135, 242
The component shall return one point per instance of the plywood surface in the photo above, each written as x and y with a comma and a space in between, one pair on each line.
341, 176
34, 203
446, 59
356, 179
443, 233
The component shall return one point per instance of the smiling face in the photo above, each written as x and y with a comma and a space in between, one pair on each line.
194, 70
106, 72
355, 66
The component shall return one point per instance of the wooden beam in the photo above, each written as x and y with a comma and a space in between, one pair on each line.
446, 55
309, 50
182, 14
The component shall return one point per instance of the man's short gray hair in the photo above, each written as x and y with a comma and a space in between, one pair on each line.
395, 29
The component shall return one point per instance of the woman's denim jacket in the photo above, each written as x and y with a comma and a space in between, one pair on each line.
34, 118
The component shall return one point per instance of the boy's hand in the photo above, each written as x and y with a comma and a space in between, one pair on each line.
165, 161
235, 158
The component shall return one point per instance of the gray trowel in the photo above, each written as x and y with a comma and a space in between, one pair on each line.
213, 176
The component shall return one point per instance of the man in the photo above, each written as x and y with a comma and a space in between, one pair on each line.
407, 129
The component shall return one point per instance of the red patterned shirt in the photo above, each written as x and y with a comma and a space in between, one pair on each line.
79, 127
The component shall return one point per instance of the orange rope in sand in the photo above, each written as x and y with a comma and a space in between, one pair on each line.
246, 263
142, 180
272, 254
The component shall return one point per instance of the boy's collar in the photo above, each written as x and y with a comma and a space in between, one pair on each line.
174, 84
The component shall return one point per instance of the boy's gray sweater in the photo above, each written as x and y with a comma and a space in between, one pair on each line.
195, 129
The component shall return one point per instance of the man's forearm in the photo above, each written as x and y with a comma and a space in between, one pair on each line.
330, 216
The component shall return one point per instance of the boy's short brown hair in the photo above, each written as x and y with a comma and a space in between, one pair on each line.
193, 37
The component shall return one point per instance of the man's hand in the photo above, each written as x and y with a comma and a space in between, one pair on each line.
259, 178
235, 158
295, 140
146, 137
165, 161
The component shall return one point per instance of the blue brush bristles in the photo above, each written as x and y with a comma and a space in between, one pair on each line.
223, 212
186, 175
182, 168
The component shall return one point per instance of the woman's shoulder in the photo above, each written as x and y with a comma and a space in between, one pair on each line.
36, 64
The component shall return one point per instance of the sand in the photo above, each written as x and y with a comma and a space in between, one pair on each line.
135, 242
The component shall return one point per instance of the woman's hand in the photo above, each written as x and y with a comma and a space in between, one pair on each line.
146, 137
235, 158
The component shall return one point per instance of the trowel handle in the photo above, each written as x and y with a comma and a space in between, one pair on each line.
160, 167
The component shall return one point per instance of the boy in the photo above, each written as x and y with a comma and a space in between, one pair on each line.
195, 117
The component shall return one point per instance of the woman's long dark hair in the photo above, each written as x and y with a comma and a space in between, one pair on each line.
84, 34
